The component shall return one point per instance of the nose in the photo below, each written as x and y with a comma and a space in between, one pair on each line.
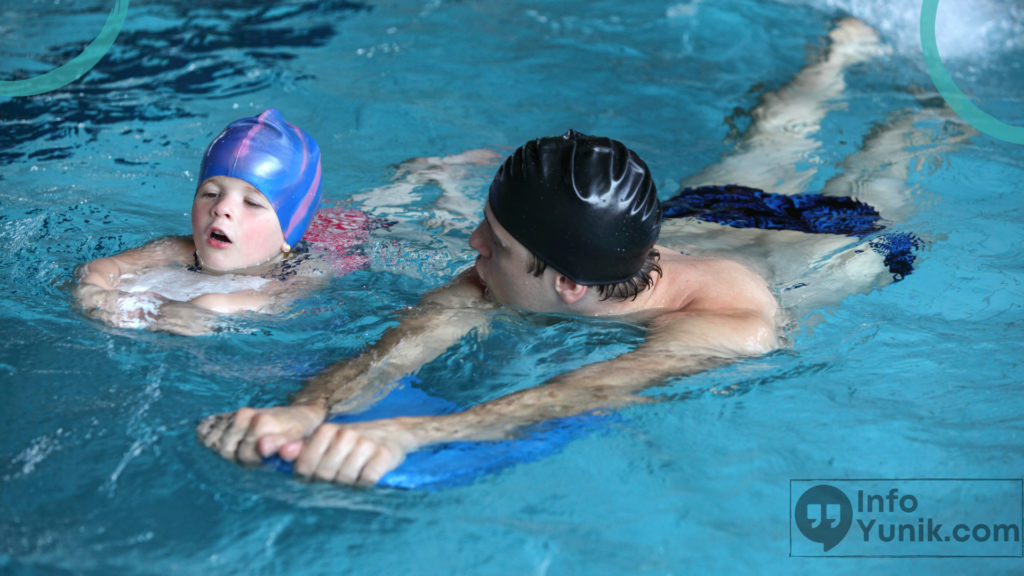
477, 241
224, 206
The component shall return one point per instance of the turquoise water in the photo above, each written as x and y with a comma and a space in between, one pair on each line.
99, 469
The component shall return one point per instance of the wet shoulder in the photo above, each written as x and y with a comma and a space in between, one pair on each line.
718, 283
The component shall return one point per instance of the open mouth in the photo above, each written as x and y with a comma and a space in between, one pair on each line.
219, 237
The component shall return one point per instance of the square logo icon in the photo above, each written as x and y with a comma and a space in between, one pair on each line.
925, 518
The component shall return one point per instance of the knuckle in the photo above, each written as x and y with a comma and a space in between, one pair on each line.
260, 422
366, 446
323, 433
211, 441
245, 413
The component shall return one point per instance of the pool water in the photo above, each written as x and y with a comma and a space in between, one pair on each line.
99, 468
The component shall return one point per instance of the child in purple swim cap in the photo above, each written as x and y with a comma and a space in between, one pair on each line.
259, 189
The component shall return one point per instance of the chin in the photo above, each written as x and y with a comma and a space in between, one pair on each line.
219, 261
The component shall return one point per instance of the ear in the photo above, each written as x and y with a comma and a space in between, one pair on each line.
569, 291
286, 248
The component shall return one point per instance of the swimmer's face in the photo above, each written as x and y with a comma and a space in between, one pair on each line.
234, 225
503, 266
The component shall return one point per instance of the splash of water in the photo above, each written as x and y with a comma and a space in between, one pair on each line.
965, 29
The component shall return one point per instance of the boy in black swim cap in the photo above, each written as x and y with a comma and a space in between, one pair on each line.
584, 206
570, 227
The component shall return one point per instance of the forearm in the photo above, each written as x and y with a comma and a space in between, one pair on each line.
402, 350
361, 453
606, 385
687, 345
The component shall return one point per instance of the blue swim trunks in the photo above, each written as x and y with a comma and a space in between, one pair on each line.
743, 207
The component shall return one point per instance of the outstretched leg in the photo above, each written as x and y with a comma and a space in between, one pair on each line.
813, 271
453, 174
784, 122
909, 141
780, 135
423, 249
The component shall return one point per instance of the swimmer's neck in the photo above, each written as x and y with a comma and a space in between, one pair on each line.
667, 293
258, 269
648, 304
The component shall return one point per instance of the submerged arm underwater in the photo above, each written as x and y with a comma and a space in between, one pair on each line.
679, 344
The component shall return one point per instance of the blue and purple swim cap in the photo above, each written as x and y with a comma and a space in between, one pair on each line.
278, 159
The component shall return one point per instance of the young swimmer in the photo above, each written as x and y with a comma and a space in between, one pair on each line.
259, 189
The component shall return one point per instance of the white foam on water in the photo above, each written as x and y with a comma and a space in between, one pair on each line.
964, 29
183, 285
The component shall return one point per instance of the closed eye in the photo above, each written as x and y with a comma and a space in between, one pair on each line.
494, 235
254, 204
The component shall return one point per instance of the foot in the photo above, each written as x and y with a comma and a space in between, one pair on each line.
854, 41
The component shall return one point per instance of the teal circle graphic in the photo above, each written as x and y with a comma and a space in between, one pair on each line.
950, 92
77, 68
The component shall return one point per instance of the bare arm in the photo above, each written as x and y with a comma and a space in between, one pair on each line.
423, 333
98, 295
96, 292
106, 272
681, 343
421, 336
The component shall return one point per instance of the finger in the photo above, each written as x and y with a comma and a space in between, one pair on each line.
261, 425
246, 451
206, 425
357, 458
239, 424
314, 450
273, 443
382, 462
344, 441
216, 430
291, 450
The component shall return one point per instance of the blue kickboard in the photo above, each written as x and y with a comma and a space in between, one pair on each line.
460, 463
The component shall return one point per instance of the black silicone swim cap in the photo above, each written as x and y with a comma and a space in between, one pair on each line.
585, 205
